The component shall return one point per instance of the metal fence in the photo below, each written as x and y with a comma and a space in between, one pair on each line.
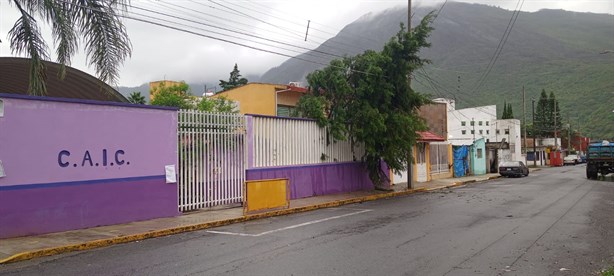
288, 142
211, 159
439, 158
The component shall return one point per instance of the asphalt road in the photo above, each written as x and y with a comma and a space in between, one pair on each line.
553, 222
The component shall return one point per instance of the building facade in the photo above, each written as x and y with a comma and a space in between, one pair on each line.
265, 98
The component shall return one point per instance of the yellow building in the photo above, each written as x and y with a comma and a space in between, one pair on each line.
264, 98
154, 87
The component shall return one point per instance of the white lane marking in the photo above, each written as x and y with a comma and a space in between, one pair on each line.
289, 227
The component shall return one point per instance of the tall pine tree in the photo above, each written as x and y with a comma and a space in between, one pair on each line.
545, 113
235, 80
507, 111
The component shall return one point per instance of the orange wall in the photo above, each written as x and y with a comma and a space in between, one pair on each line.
253, 98
260, 98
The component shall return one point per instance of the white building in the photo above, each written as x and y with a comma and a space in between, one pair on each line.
470, 124
508, 131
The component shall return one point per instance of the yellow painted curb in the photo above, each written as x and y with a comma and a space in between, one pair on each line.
195, 227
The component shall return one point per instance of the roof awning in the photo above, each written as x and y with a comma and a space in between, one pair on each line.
427, 136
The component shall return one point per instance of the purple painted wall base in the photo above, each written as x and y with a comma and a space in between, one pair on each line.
320, 179
56, 207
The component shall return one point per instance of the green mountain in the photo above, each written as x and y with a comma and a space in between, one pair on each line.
566, 52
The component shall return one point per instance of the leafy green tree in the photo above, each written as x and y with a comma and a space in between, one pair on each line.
367, 99
221, 104
95, 22
235, 80
176, 95
136, 98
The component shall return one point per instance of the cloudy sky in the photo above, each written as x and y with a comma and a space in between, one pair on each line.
162, 53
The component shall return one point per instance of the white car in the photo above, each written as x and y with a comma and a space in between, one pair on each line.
571, 159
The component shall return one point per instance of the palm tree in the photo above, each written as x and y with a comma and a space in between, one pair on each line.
96, 22
136, 98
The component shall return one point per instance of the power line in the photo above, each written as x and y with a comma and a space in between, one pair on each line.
281, 28
499, 48
200, 13
234, 31
337, 31
211, 37
295, 34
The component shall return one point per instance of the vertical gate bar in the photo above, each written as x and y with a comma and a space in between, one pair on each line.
192, 190
226, 157
258, 146
187, 157
235, 146
197, 157
208, 160
201, 157
215, 159
180, 159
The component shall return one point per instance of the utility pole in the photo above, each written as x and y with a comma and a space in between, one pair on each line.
569, 136
524, 118
534, 140
554, 115
408, 15
410, 167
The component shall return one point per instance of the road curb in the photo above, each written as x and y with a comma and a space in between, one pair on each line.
201, 226
194, 227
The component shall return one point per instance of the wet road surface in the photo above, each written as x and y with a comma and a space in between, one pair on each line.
553, 222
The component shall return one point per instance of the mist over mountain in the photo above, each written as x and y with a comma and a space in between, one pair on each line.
560, 51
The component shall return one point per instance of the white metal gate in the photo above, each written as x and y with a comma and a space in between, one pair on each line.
211, 159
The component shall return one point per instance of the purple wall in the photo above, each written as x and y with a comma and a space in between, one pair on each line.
72, 165
320, 179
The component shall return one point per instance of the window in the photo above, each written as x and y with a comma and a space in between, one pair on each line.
284, 110
487, 132
479, 123
486, 122
464, 132
479, 153
507, 131
498, 132
473, 132
473, 123
463, 123
481, 131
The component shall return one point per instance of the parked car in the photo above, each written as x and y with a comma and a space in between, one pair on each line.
513, 168
582, 158
571, 159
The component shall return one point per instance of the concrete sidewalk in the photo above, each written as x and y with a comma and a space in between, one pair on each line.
23, 248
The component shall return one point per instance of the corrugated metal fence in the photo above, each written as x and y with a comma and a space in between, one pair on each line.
287, 142
211, 159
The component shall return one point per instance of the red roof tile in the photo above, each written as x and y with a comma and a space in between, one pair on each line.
427, 136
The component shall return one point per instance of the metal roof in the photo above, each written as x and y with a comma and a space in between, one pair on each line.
15, 74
